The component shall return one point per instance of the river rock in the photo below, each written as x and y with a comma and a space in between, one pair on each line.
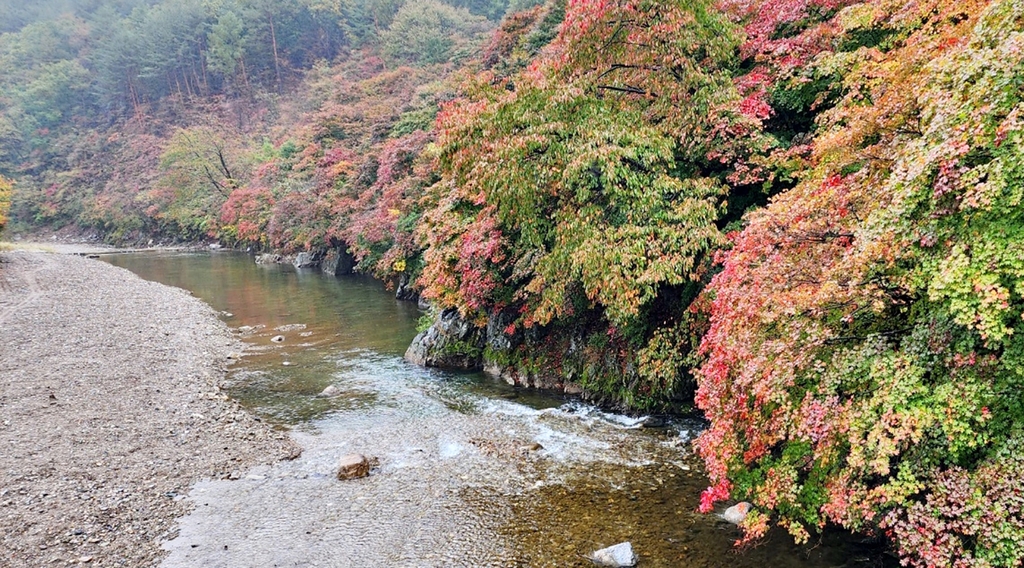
353, 466
330, 391
572, 389
268, 258
616, 556
277, 339
737, 512
653, 422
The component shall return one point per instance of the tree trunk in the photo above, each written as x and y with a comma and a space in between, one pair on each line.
273, 42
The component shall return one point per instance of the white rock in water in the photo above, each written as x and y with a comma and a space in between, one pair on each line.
277, 338
737, 512
617, 556
330, 391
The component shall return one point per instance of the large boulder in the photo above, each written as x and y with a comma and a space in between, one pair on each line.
451, 343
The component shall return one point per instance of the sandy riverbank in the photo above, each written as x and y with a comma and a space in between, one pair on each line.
109, 411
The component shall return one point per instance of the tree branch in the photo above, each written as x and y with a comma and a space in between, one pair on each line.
626, 89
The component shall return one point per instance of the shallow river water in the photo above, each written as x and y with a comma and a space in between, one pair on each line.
460, 478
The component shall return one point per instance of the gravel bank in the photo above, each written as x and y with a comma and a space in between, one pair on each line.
109, 411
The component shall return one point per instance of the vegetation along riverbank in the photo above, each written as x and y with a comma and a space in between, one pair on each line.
802, 217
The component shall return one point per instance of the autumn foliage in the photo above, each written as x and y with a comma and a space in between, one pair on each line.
863, 364
805, 214
579, 193
5, 200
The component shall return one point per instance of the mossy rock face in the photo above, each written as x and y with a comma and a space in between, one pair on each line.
450, 343
567, 360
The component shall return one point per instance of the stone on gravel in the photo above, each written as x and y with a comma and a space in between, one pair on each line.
353, 466
617, 556
330, 391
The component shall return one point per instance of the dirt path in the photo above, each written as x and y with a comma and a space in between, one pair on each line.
109, 411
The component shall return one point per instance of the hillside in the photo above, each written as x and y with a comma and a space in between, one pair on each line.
802, 216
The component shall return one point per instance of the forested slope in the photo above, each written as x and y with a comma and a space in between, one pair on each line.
803, 215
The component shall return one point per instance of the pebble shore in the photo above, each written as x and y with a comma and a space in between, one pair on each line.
110, 409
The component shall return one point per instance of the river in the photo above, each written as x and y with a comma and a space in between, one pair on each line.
471, 472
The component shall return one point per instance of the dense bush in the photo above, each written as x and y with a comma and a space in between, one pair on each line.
5, 200
863, 365
579, 192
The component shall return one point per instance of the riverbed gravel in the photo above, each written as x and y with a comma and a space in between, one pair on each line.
110, 410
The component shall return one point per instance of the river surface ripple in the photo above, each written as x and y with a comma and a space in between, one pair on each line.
460, 478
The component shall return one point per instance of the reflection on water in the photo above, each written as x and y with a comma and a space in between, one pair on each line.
471, 472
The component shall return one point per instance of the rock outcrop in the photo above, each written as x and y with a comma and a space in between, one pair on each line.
454, 343
338, 261
306, 260
405, 291
450, 343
